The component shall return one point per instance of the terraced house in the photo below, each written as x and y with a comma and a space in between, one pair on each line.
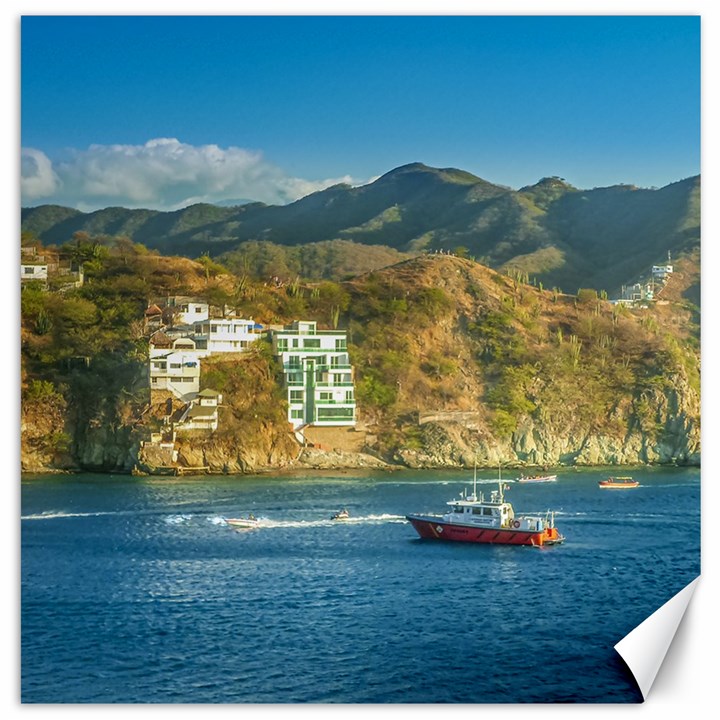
318, 375
223, 335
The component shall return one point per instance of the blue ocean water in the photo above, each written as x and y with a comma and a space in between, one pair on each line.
135, 590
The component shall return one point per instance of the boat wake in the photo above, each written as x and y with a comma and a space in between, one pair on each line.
359, 520
57, 514
268, 523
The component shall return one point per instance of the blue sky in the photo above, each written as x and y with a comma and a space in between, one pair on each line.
164, 111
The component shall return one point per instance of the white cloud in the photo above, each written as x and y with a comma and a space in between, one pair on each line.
38, 179
163, 174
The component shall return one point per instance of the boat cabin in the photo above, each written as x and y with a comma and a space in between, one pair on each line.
478, 511
494, 513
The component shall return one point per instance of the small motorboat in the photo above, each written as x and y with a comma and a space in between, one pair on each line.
618, 483
341, 515
243, 523
537, 478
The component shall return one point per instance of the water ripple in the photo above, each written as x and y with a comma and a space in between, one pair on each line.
145, 595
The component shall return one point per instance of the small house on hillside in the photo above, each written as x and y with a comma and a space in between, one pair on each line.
153, 318
226, 335
201, 413
209, 398
184, 310
160, 340
29, 271
199, 417
661, 272
175, 372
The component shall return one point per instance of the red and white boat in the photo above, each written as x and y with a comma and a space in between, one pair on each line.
537, 478
618, 483
474, 519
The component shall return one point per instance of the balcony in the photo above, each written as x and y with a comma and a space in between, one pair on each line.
309, 351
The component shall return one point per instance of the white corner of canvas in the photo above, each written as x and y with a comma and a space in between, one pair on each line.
644, 648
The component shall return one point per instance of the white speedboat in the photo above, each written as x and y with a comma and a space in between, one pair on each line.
243, 523
537, 478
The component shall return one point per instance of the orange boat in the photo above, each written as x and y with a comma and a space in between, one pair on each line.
618, 483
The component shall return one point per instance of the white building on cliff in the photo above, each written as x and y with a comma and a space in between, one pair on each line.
318, 375
223, 335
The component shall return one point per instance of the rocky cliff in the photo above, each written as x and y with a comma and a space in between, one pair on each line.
673, 438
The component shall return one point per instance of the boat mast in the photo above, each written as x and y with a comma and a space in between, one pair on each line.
475, 481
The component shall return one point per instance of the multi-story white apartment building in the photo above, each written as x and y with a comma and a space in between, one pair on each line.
318, 375
222, 335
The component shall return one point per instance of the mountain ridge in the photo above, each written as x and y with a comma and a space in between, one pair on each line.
562, 235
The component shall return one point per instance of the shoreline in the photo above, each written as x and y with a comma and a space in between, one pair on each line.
350, 471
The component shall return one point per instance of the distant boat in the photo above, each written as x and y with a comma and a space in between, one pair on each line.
341, 515
537, 478
244, 523
618, 483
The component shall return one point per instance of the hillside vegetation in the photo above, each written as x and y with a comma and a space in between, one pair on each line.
509, 371
439, 335
565, 237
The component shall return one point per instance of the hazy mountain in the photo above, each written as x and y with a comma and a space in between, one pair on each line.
564, 236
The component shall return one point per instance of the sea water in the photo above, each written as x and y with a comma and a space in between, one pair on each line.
136, 590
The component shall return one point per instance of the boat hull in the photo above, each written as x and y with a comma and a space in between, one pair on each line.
433, 528
546, 479
242, 524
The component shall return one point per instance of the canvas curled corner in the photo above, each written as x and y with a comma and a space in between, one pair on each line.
644, 648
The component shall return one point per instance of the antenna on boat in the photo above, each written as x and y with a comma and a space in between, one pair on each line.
475, 480
500, 487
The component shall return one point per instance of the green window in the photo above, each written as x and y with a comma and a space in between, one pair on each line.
341, 344
336, 414
311, 343
296, 396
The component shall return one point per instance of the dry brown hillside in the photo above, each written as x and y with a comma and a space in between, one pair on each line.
441, 334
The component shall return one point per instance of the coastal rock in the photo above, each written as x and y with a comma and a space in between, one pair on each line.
336, 460
231, 455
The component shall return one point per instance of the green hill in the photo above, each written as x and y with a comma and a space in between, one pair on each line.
564, 236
